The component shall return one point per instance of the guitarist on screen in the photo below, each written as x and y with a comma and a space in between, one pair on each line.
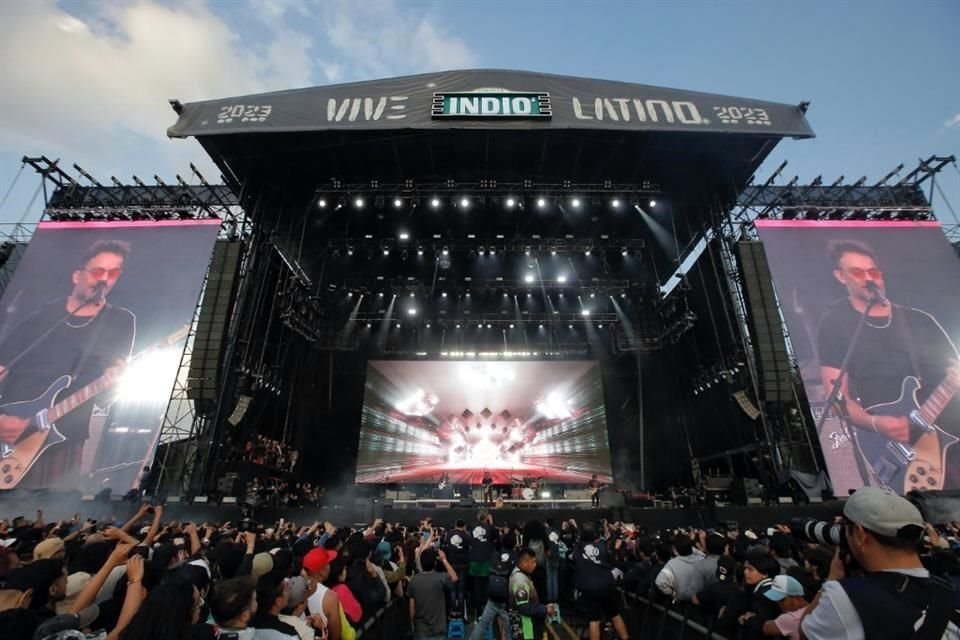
82, 336
895, 343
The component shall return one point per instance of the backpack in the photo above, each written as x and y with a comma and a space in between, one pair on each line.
498, 585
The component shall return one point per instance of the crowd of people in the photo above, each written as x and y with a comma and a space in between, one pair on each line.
277, 492
270, 453
153, 578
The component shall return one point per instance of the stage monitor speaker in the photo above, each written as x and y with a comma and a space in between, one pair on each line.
229, 500
467, 503
215, 310
611, 499
201, 500
751, 500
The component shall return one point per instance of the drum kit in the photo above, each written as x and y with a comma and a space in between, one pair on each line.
527, 488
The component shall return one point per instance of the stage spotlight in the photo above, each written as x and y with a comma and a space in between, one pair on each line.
435, 203
585, 312
593, 295
380, 294
369, 325
511, 326
411, 312
527, 252
544, 494
398, 325
510, 202
575, 203
615, 203
529, 294
554, 252
489, 326
652, 203
561, 279
623, 295
540, 326
386, 252
541, 203
506, 295
358, 203
443, 295
404, 235
587, 252
397, 203
480, 326
571, 326
458, 326
412, 294
349, 251
482, 251
528, 277
624, 252
560, 295
321, 203
419, 252
467, 294
445, 251
493, 251
599, 326
349, 294
428, 325
464, 202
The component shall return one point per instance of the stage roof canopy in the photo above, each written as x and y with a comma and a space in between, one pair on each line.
476, 124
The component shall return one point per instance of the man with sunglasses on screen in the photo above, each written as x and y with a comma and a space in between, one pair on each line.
82, 336
895, 342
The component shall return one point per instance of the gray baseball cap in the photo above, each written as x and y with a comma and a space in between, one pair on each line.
883, 511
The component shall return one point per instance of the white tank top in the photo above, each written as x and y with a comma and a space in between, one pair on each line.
315, 602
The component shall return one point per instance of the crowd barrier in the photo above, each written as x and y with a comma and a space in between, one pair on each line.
670, 620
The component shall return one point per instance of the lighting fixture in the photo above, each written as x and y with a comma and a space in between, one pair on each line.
575, 203
528, 277
358, 203
404, 235
652, 203
445, 251
561, 279
585, 312
386, 252
321, 203
510, 202
615, 203
541, 203
464, 202
397, 203
435, 203
411, 312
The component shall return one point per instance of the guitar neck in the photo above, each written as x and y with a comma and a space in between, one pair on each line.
74, 400
934, 405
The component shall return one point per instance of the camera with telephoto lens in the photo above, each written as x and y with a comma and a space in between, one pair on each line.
814, 530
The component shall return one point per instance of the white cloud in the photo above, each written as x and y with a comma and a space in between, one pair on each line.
93, 88
953, 122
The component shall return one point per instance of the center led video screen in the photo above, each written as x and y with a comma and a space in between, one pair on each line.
517, 420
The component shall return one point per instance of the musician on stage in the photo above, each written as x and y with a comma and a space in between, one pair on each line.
487, 483
895, 342
594, 485
82, 336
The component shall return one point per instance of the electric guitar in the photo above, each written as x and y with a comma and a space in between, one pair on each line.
43, 412
919, 465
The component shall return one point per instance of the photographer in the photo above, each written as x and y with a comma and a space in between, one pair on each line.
883, 532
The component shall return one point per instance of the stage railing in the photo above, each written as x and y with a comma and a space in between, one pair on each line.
659, 621
386, 622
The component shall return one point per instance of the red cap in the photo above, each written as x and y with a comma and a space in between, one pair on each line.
317, 559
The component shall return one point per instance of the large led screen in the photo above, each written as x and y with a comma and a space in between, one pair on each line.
92, 330
898, 421
517, 420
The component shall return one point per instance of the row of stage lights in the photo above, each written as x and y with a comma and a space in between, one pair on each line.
443, 294
481, 250
466, 202
482, 325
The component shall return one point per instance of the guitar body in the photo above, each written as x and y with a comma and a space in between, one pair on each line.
919, 465
16, 461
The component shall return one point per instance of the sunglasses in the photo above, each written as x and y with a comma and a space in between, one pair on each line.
99, 272
861, 274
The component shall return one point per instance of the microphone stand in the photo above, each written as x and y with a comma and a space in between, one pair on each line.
834, 397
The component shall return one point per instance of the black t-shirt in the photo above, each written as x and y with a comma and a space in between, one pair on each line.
64, 351
592, 566
716, 596
914, 344
483, 537
457, 548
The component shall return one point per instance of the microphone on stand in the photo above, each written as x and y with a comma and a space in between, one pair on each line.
99, 296
874, 289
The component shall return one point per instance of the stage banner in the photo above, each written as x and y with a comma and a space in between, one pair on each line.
447, 423
882, 298
92, 329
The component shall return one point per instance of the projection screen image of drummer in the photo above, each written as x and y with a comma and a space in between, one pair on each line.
426, 420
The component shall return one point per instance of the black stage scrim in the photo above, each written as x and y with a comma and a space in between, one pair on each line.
515, 419
904, 277
92, 331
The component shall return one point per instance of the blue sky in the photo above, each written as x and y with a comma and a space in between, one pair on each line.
88, 81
